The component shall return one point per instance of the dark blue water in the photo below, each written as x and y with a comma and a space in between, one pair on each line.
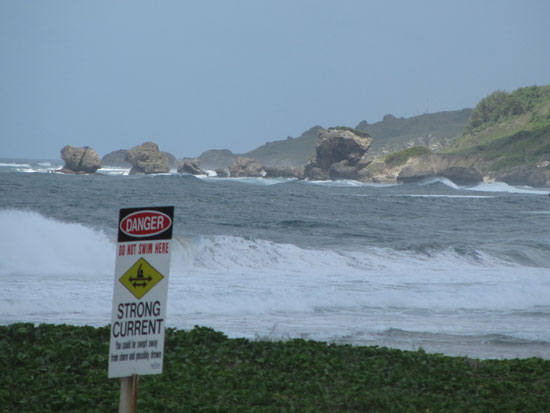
432, 265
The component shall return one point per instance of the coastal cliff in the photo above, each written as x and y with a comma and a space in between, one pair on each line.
507, 139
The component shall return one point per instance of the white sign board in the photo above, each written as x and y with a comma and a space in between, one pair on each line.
140, 291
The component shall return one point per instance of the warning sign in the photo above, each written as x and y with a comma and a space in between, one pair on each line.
140, 291
140, 278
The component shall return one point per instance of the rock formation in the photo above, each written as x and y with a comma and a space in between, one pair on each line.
281, 171
217, 158
378, 171
191, 166
537, 176
147, 159
246, 167
171, 159
80, 160
337, 154
222, 173
460, 170
116, 158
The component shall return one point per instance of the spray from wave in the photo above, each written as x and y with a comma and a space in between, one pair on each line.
62, 272
34, 244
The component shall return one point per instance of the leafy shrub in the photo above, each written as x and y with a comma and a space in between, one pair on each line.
64, 368
501, 105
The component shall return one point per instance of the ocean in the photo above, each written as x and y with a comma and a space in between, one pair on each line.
432, 265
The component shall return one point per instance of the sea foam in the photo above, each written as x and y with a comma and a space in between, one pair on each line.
54, 271
34, 244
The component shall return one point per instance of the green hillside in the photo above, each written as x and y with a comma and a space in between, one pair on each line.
398, 133
434, 130
509, 129
290, 152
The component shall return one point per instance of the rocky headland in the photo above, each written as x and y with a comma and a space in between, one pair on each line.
505, 138
460, 170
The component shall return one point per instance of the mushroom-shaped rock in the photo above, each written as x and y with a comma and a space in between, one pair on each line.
83, 160
147, 159
340, 146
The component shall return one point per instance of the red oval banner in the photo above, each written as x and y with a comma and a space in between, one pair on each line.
145, 223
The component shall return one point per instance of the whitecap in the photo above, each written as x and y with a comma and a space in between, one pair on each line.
15, 165
504, 187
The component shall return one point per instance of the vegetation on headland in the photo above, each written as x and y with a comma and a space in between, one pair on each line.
509, 129
525, 147
500, 106
389, 133
398, 133
64, 368
400, 157
505, 131
290, 152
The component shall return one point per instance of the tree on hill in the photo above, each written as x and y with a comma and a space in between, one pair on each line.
501, 105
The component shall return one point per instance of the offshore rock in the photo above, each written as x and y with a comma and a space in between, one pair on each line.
316, 174
461, 175
83, 160
191, 166
147, 159
116, 158
171, 159
534, 176
281, 171
246, 167
340, 147
217, 158
222, 173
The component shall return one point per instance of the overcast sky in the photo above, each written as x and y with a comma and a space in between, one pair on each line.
202, 75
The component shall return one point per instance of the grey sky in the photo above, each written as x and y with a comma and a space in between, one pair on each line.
199, 75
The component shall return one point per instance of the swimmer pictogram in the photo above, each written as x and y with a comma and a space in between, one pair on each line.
140, 278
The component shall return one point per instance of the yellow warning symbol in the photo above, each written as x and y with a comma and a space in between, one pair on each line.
140, 278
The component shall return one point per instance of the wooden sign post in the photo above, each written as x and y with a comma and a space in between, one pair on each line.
128, 394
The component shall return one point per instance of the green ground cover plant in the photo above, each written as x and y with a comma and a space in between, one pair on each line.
49, 368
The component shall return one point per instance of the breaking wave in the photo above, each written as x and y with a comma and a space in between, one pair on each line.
34, 244
54, 271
